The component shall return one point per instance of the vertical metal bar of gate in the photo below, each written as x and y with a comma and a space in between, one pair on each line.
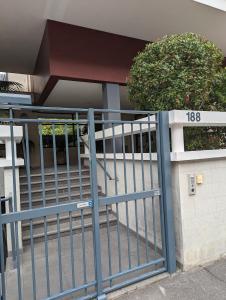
166, 210
165, 173
13, 151
94, 195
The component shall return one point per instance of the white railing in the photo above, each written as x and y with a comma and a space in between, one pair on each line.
6, 139
9, 169
178, 119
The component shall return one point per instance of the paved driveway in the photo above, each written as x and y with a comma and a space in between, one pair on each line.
203, 283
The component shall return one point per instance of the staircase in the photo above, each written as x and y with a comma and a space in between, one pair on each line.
38, 225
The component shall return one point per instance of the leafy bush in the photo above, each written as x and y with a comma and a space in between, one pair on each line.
182, 71
177, 72
59, 129
218, 92
204, 138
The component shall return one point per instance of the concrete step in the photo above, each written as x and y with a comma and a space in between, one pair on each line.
64, 217
38, 225
37, 184
52, 233
51, 200
51, 192
62, 189
60, 168
50, 175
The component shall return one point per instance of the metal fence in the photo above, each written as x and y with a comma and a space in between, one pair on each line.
98, 223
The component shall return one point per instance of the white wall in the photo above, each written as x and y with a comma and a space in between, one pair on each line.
23, 79
139, 188
200, 220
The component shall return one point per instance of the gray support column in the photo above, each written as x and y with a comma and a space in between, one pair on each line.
94, 195
111, 101
166, 189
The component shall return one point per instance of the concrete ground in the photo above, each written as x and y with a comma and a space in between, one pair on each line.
83, 265
204, 283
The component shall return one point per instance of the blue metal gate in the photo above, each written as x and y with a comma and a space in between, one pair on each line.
99, 222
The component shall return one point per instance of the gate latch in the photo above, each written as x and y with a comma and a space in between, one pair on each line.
85, 204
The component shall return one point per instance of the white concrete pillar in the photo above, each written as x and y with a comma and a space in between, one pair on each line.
177, 138
6, 165
8, 150
8, 187
86, 149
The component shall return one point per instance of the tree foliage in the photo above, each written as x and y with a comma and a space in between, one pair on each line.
59, 129
182, 71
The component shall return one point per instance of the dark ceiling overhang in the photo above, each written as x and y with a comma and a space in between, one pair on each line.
72, 52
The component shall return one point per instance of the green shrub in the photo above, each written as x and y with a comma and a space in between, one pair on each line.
176, 72
59, 129
182, 71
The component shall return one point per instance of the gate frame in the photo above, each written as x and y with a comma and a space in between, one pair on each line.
163, 140
165, 186
95, 198
167, 220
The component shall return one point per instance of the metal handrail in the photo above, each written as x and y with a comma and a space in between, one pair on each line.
5, 199
98, 161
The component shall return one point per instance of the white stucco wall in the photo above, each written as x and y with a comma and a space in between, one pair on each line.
200, 220
130, 189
